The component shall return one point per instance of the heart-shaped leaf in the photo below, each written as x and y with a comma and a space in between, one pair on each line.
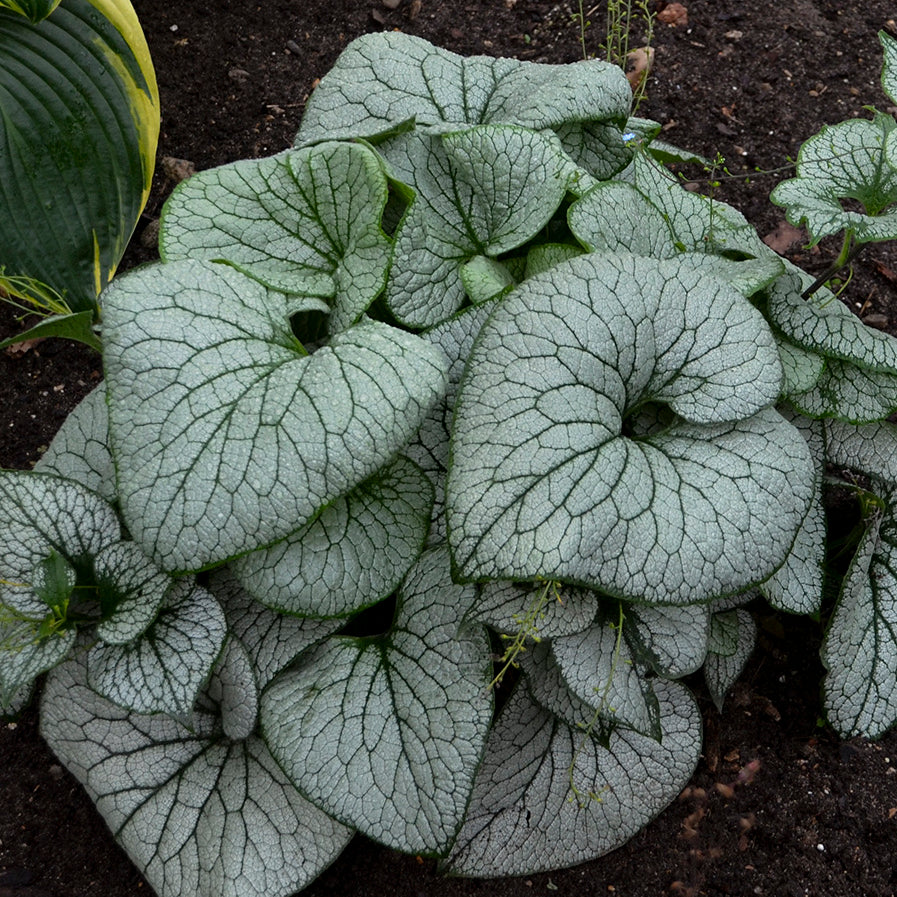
304, 221
672, 640
25, 653
325, 569
843, 161
524, 816
386, 733
227, 436
553, 476
383, 82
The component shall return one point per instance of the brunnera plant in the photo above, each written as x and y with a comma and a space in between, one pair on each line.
462, 401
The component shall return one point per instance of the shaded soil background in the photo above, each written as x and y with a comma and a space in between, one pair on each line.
778, 805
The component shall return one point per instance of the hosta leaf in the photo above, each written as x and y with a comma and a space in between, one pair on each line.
382, 81
521, 818
732, 638
25, 653
889, 70
480, 192
598, 667
304, 221
823, 324
673, 640
386, 734
352, 555
42, 514
843, 161
163, 670
34, 10
199, 814
616, 217
270, 639
132, 587
79, 125
507, 606
80, 448
227, 437
544, 480
860, 648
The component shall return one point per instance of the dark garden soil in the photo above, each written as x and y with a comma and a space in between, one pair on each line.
778, 805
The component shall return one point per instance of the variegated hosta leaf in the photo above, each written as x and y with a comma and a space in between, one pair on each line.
672, 640
25, 653
524, 815
823, 324
227, 436
80, 448
843, 161
480, 192
860, 648
386, 734
385, 81
132, 587
304, 221
733, 635
164, 669
598, 667
510, 606
352, 555
546, 479
44, 513
614, 216
199, 814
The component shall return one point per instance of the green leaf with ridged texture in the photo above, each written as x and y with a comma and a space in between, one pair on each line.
53, 579
163, 670
801, 369
352, 555
42, 514
429, 448
78, 327
521, 819
227, 435
543, 256
80, 448
384, 80
386, 734
556, 378
733, 635
484, 279
889, 69
199, 814
598, 667
599, 147
845, 161
616, 217
671, 640
79, 121
506, 606
797, 586
480, 192
824, 324
272, 640
130, 589
304, 221
25, 653
860, 647
849, 393
34, 10
699, 224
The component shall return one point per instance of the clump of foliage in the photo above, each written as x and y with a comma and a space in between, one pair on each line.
463, 389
